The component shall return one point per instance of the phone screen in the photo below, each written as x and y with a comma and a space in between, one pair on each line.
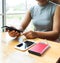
25, 45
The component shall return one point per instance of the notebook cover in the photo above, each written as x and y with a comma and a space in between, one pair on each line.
38, 49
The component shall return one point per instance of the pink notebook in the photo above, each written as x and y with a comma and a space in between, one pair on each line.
39, 48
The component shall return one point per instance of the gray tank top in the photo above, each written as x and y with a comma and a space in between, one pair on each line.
42, 16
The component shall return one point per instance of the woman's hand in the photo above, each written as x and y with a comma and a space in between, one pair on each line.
30, 34
13, 33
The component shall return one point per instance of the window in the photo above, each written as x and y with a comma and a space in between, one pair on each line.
0, 14
14, 11
0, 23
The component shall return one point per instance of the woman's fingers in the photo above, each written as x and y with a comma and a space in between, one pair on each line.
25, 33
12, 33
17, 34
29, 36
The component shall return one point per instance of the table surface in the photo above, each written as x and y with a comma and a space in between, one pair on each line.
11, 55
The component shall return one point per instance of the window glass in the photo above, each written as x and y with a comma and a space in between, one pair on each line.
0, 23
15, 6
0, 6
14, 20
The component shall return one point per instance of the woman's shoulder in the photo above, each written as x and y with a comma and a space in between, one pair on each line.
52, 4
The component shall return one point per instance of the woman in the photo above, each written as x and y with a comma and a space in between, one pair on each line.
45, 17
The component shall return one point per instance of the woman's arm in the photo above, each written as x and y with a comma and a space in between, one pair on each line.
52, 35
26, 20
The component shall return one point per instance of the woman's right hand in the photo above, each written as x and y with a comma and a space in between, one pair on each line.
13, 33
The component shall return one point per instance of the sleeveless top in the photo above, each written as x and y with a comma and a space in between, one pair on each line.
42, 16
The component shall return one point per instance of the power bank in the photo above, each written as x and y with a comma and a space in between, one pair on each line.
38, 49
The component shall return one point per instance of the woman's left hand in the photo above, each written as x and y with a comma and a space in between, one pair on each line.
30, 34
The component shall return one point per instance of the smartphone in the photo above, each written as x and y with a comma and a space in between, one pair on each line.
11, 28
25, 45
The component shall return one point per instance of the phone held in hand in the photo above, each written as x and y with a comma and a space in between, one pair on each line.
24, 45
11, 28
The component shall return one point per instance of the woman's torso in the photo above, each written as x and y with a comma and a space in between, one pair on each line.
42, 16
